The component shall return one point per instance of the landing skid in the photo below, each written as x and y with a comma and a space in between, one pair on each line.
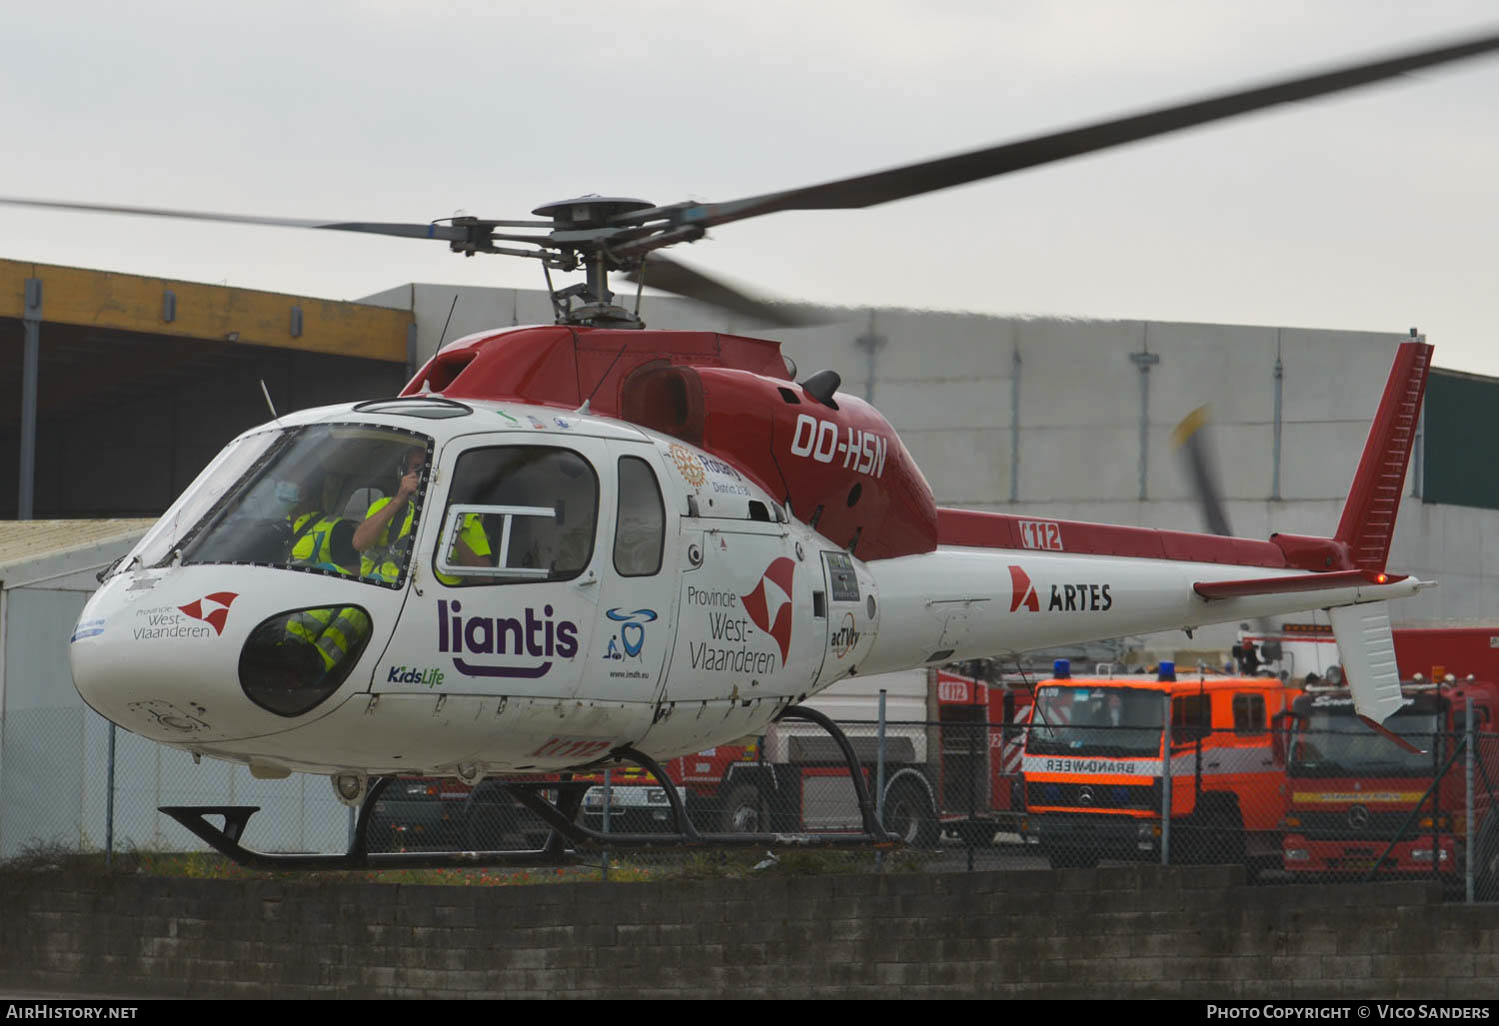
569, 840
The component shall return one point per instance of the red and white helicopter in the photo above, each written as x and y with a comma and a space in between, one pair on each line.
592, 542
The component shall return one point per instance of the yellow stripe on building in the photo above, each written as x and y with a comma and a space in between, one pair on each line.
128, 302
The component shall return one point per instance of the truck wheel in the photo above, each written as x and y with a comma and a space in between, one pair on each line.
741, 811
909, 813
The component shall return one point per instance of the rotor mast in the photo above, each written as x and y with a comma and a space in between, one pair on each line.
588, 231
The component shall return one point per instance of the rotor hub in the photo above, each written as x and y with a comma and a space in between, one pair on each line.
590, 211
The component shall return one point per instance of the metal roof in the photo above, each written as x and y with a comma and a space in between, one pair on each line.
30, 541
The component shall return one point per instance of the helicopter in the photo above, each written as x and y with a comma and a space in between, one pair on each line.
565, 546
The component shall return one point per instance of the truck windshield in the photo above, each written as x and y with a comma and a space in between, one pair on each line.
1334, 742
1086, 720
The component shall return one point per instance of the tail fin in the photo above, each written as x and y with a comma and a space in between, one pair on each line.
1368, 522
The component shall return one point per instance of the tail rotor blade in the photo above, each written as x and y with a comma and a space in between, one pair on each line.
1190, 440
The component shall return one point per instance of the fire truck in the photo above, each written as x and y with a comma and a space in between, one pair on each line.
1423, 651
1362, 803
952, 765
1105, 755
952, 755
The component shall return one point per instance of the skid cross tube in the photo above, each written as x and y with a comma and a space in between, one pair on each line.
678, 810
563, 820
872, 824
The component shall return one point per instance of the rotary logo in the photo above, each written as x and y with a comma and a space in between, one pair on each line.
687, 465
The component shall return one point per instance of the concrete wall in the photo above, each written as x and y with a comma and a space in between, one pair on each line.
1109, 933
947, 382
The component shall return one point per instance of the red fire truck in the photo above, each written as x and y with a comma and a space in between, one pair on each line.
952, 765
1361, 803
1423, 651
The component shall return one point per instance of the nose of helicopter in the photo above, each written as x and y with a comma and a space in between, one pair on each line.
214, 653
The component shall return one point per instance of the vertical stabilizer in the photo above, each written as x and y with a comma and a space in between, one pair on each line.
1368, 522
1367, 647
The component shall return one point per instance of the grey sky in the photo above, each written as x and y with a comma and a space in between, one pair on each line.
1373, 210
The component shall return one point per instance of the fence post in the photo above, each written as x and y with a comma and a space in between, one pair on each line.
1468, 741
608, 793
109, 805
879, 781
1166, 783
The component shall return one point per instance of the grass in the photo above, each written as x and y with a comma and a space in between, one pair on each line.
718, 864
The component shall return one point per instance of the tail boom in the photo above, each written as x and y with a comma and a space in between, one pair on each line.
967, 603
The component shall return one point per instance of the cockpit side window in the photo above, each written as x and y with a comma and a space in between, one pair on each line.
516, 514
302, 502
640, 530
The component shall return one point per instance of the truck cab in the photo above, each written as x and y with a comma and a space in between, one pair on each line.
1363, 803
1123, 767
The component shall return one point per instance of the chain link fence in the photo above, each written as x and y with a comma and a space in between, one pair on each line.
1315, 799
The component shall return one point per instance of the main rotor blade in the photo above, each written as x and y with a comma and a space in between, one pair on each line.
670, 276
932, 175
410, 231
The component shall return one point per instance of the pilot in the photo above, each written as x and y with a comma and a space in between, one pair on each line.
318, 539
324, 541
382, 555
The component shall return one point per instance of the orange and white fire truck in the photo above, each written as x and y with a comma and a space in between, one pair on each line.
1106, 755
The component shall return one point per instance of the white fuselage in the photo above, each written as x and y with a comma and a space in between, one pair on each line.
663, 601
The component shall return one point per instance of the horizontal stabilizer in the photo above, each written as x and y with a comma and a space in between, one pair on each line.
1299, 583
1367, 647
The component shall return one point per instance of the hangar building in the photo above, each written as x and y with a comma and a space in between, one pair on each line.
140, 381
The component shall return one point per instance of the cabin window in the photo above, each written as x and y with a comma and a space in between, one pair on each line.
1249, 714
518, 513
1191, 718
640, 530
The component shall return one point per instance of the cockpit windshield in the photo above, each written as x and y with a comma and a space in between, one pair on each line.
1332, 742
298, 498
1086, 720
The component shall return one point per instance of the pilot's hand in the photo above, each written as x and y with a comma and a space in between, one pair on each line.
409, 484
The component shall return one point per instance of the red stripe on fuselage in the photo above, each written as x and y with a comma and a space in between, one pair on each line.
1003, 531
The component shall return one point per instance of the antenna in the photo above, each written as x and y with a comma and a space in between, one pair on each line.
267, 393
444, 336
602, 378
